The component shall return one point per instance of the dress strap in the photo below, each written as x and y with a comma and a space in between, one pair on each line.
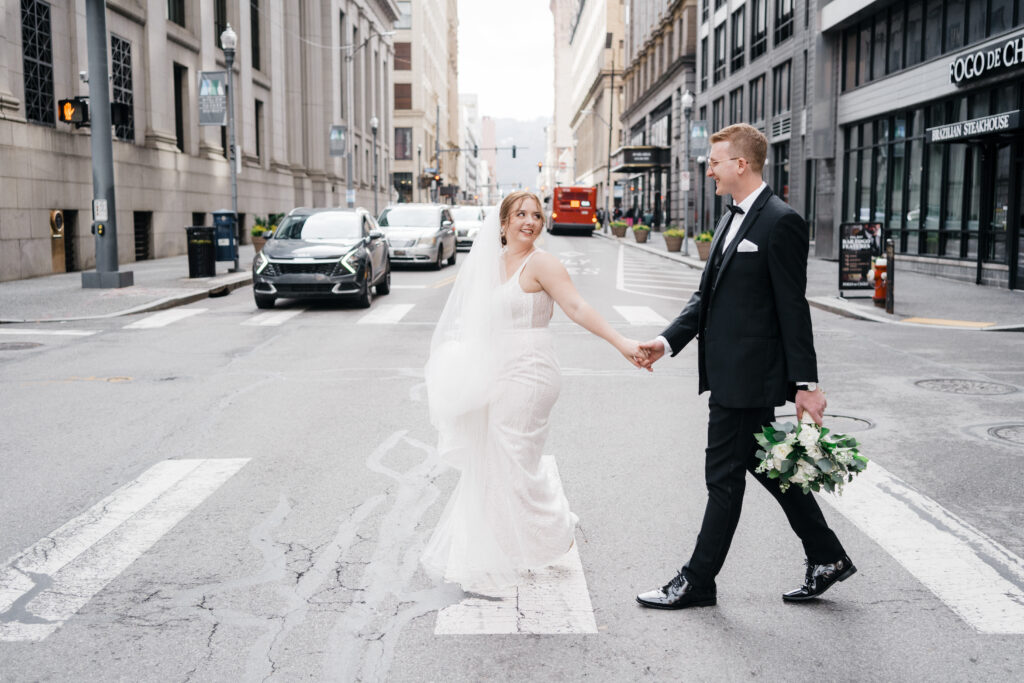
522, 265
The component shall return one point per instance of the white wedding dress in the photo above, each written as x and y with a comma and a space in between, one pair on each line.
508, 512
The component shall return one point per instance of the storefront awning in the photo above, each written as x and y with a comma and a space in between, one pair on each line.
639, 159
985, 127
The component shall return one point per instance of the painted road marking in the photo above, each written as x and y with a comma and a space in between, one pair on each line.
640, 315
164, 318
386, 314
976, 577
946, 323
48, 583
554, 599
273, 318
24, 332
630, 282
444, 282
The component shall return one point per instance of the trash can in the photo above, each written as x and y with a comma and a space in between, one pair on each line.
201, 253
225, 221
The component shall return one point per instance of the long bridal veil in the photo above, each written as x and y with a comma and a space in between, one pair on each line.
466, 353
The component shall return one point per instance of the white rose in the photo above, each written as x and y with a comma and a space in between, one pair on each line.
808, 436
779, 453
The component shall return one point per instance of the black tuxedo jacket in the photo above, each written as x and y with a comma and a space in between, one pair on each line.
751, 317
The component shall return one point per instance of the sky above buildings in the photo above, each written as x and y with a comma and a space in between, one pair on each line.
506, 56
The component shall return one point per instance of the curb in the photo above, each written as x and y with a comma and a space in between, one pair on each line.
689, 261
218, 287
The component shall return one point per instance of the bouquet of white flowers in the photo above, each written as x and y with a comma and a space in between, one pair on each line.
808, 455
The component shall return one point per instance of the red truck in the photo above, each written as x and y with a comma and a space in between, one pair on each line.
573, 210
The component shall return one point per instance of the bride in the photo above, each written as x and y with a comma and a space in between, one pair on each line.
492, 379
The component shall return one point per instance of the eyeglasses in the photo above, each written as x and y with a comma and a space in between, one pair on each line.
712, 163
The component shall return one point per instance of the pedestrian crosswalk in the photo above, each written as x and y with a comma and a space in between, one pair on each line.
164, 318
638, 274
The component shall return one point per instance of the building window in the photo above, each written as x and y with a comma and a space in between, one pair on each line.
403, 96
403, 186
932, 30
703, 64
176, 11
403, 144
915, 32
954, 34
180, 78
783, 20
121, 68
864, 55
220, 19
659, 131
720, 51
880, 49
782, 88
896, 21
780, 170
736, 105
705, 10
403, 56
254, 37
37, 60
976, 11
718, 114
758, 29
757, 99
739, 31
404, 15
259, 129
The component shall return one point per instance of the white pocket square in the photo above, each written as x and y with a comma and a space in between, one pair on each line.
746, 246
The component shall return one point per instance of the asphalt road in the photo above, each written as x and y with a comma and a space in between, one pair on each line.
297, 558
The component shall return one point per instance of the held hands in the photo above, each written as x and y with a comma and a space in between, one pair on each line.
652, 351
633, 351
811, 402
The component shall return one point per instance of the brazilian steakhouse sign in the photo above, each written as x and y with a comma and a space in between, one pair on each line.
975, 128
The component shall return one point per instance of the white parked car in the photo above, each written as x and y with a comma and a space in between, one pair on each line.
420, 233
468, 221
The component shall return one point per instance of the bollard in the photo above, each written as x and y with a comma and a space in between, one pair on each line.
890, 259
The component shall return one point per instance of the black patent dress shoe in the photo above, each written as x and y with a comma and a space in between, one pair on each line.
820, 578
677, 594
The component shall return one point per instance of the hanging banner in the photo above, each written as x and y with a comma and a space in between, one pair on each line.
213, 98
858, 242
336, 141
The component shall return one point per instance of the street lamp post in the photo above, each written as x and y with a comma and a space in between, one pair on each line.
229, 41
373, 129
687, 102
419, 174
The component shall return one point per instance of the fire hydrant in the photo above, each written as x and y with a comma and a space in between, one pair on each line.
880, 281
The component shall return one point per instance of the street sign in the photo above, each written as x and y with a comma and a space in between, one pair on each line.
350, 197
684, 178
213, 98
337, 142
858, 243
99, 210
699, 145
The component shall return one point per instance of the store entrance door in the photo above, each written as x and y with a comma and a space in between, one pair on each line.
1000, 221
1017, 223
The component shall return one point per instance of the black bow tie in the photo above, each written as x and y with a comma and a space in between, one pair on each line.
735, 209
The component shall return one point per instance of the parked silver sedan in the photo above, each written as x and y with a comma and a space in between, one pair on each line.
420, 233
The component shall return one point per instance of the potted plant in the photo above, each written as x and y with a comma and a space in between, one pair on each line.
618, 228
260, 228
703, 241
674, 238
641, 232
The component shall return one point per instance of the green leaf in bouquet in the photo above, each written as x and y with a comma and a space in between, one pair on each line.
824, 431
761, 455
773, 474
779, 437
763, 441
825, 465
783, 426
786, 465
837, 477
829, 486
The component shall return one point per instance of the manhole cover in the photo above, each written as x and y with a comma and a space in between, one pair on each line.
1011, 433
837, 424
966, 386
18, 346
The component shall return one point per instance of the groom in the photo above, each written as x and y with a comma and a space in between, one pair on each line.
755, 351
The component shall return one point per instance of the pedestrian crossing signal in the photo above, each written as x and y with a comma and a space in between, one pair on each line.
74, 110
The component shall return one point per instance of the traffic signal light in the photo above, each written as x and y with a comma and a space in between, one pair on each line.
437, 177
74, 110
540, 166
513, 151
476, 151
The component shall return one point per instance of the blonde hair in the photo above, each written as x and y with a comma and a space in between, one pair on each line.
746, 142
510, 204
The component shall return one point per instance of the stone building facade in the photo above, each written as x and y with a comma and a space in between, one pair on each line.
660, 44
301, 66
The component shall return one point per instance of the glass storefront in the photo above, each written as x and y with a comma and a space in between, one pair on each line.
946, 199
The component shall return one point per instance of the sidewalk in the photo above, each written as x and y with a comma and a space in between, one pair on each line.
920, 300
159, 284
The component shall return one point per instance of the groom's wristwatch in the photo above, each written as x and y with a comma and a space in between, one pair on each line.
807, 386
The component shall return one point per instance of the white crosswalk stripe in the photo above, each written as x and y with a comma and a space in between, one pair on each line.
976, 577
655, 278
554, 599
386, 314
164, 318
273, 318
640, 315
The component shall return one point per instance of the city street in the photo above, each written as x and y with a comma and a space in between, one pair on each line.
219, 493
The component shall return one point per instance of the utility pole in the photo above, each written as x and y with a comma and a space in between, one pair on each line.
104, 209
611, 118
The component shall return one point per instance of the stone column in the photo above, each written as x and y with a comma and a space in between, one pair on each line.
209, 51
160, 80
